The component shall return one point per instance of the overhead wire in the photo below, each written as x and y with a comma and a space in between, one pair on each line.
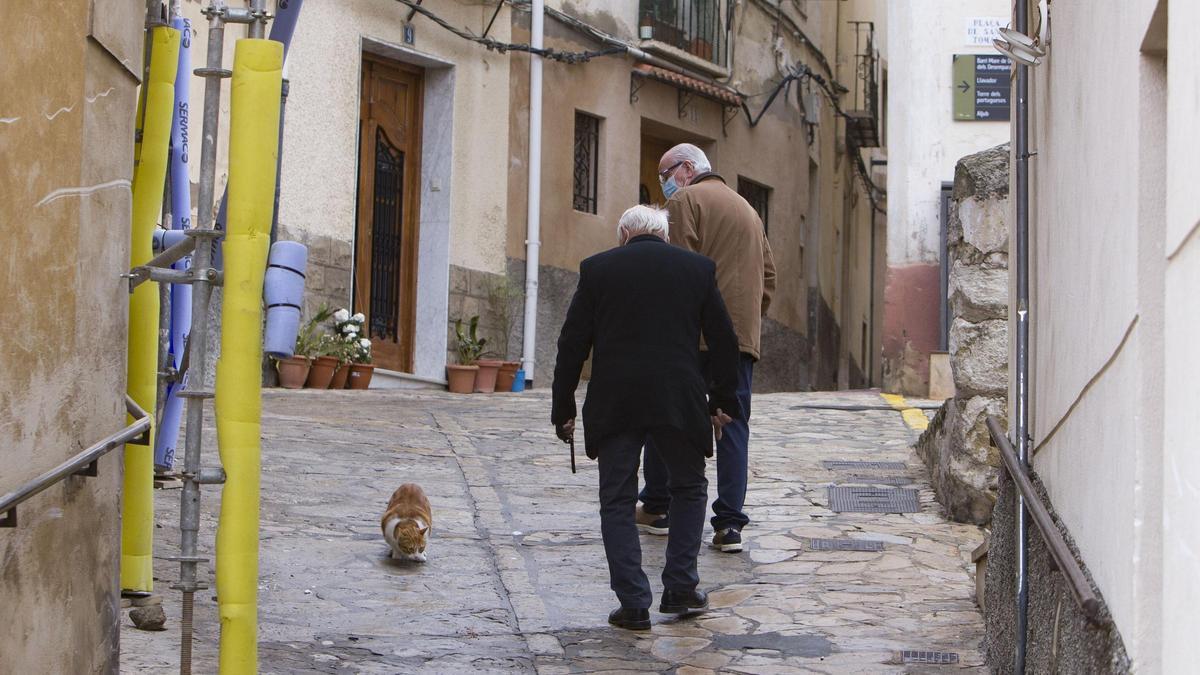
504, 47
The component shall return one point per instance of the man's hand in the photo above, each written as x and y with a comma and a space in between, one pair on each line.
719, 421
566, 430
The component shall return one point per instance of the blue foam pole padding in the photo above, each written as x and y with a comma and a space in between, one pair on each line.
165, 239
167, 440
282, 28
283, 294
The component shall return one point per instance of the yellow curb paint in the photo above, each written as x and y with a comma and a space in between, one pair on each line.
914, 417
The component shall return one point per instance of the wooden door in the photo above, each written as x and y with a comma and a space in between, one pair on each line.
385, 269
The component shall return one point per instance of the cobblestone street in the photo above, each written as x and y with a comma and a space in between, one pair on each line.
516, 578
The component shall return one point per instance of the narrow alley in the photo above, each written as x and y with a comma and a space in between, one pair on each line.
516, 579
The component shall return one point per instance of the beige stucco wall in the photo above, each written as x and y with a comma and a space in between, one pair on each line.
1100, 318
319, 174
66, 133
775, 153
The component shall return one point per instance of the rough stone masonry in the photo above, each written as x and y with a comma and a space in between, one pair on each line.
956, 448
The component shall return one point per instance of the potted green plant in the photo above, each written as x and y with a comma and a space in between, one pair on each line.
461, 377
361, 368
347, 333
294, 370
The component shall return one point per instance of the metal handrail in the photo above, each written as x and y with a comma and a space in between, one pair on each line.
83, 464
1081, 589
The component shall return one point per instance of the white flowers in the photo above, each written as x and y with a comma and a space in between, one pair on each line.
364, 343
358, 318
350, 328
343, 315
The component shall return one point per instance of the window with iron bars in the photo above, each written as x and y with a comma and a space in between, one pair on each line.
587, 162
758, 195
695, 26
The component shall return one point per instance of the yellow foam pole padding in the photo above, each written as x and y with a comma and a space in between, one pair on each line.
137, 495
253, 147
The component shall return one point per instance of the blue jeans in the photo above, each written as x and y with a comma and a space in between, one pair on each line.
732, 463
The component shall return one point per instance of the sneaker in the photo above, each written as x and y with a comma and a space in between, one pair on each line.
651, 523
683, 602
728, 540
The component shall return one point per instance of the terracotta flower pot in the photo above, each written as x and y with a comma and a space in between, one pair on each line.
506, 376
360, 375
461, 379
321, 372
293, 371
340, 376
485, 381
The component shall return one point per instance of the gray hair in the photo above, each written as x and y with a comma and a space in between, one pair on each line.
686, 152
642, 219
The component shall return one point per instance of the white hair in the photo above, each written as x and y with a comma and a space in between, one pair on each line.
642, 219
686, 152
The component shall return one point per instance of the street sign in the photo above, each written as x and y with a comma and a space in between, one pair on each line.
981, 30
981, 87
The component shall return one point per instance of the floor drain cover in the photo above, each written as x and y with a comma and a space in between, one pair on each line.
872, 500
916, 656
867, 479
844, 545
863, 466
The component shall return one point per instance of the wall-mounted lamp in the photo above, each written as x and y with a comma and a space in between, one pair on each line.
1019, 47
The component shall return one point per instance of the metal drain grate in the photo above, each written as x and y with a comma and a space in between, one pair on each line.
868, 479
918, 656
862, 466
873, 500
844, 545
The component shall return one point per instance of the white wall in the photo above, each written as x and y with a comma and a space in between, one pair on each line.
1181, 527
924, 141
1097, 264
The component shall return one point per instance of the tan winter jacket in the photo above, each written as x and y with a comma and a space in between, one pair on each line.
710, 218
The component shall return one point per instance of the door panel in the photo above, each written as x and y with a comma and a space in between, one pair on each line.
388, 209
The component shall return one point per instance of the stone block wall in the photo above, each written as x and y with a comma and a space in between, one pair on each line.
496, 300
956, 447
330, 266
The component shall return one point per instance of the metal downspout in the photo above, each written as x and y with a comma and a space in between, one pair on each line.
1021, 428
533, 212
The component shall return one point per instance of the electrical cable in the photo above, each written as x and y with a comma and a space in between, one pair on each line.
504, 47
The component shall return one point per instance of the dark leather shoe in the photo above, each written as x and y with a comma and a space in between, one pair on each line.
683, 602
630, 618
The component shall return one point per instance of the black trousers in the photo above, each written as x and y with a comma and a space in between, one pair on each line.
619, 456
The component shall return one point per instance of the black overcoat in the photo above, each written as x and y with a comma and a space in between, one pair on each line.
640, 310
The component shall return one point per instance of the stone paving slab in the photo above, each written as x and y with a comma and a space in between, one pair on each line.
516, 579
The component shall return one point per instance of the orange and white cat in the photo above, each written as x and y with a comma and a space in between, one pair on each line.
406, 523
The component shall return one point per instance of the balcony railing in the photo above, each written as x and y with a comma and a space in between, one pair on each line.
694, 26
863, 121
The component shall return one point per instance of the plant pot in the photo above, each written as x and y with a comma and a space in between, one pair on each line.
321, 372
293, 371
360, 375
506, 376
461, 379
340, 377
485, 381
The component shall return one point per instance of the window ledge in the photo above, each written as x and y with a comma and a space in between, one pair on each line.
683, 58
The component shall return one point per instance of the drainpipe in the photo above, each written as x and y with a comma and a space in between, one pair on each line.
1021, 428
533, 217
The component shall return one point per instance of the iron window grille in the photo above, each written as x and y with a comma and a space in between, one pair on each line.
758, 195
695, 26
587, 162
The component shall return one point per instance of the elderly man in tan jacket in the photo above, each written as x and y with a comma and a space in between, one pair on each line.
710, 218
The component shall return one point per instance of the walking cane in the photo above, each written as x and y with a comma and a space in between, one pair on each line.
572, 441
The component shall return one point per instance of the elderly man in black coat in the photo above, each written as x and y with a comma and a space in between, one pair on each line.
641, 310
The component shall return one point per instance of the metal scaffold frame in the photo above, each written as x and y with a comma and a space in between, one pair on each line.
203, 278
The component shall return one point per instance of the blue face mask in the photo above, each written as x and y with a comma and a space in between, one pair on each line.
669, 187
